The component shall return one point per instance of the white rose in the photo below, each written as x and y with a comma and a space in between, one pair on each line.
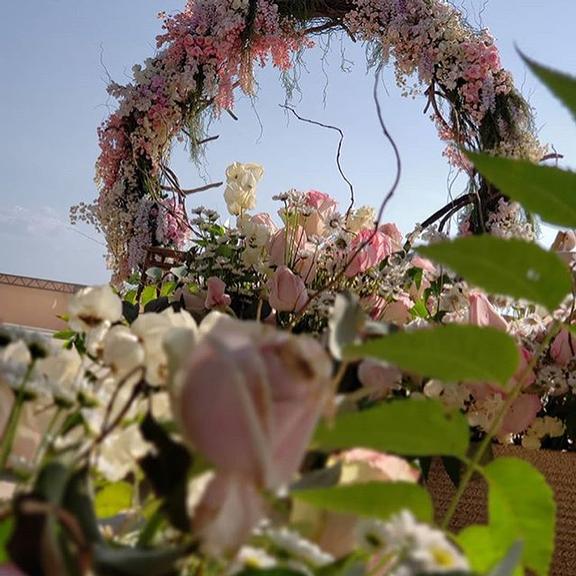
245, 175
239, 199
361, 218
89, 307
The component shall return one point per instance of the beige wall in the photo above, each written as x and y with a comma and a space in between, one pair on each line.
34, 303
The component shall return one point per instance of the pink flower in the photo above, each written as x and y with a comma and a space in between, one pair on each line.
374, 305
372, 466
379, 377
521, 414
322, 207
563, 349
216, 297
378, 246
424, 264
391, 230
482, 313
287, 291
398, 311
286, 244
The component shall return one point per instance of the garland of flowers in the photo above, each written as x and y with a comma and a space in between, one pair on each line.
210, 48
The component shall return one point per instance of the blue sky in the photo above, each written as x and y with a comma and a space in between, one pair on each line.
54, 59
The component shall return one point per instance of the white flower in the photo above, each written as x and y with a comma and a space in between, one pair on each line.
152, 329
63, 372
119, 452
240, 193
89, 307
297, 547
363, 217
420, 548
122, 351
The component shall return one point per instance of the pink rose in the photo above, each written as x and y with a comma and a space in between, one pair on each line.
374, 305
424, 264
391, 230
287, 291
379, 377
482, 313
323, 208
378, 247
286, 244
216, 297
398, 311
521, 414
249, 402
563, 349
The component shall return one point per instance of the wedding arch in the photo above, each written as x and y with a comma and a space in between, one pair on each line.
210, 49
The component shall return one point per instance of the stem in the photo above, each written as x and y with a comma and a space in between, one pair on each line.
12, 426
487, 440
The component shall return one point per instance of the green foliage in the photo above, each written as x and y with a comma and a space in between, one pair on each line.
521, 507
148, 294
562, 85
506, 266
372, 499
5, 531
483, 549
411, 428
510, 565
113, 499
452, 352
548, 192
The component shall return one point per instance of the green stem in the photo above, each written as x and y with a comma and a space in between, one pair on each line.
150, 528
487, 440
12, 426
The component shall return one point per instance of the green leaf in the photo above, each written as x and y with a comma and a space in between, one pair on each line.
562, 85
168, 288
506, 266
453, 352
521, 507
136, 562
154, 273
546, 191
510, 565
408, 427
113, 499
373, 499
131, 296
64, 335
6, 527
149, 293
482, 548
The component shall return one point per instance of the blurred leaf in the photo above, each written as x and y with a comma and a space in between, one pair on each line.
79, 501
113, 499
373, 499
64, 335
110, 561
270, 572
322, 478
482, 548
521, 507
6, 527
154, 273
506, 266
157, 305
452, 353
407, 427
167, 470
345, 320
548, 192
149, 293
179, 272
131, 296
130, 311
562, 85
168, 288
510, 565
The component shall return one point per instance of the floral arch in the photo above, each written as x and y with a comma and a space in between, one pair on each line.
210, 49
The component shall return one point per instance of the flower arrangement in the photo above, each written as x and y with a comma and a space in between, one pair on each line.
210, 48
269, 404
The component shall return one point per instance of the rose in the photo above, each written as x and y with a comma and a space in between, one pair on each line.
287, 291
322, 208
263, 391
363, 217
372, 247
258, 228
378, 377
563, 348
216, 297
286, 244
240, 193
482, 313
391, 230
336, 532
90, 307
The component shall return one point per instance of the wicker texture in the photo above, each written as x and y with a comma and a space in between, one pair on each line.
559, 468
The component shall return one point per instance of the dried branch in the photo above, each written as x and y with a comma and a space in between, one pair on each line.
338, 152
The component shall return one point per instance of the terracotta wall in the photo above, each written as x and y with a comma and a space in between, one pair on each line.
34, 303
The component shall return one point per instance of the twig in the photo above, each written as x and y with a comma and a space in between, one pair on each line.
193, 190
338, 152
